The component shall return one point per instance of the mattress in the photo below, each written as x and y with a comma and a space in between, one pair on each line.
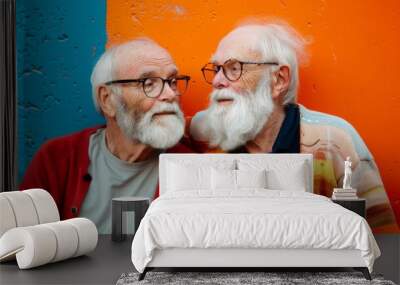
250, 219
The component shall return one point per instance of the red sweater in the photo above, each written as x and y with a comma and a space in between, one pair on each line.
61, 165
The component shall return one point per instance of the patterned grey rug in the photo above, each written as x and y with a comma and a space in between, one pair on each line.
243, 278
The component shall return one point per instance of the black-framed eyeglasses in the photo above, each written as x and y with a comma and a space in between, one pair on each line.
154, 86
232, 69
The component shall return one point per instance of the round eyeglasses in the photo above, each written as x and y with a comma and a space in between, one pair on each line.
154, 86
232, 69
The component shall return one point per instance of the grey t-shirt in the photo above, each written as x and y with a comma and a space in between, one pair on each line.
111, 178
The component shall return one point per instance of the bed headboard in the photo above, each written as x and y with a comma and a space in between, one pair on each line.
194, 157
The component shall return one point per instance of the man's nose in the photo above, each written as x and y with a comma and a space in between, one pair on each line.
167, 95
220, 81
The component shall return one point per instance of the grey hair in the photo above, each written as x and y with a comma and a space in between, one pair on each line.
105, 68
102, 73
278, 41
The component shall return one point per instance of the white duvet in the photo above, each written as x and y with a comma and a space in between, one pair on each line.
253, 218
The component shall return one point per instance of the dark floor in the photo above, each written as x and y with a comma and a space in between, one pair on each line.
110, 259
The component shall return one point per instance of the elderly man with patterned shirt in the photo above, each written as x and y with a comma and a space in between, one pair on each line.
253, 109
136, 87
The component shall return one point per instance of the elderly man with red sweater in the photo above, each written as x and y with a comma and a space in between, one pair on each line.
136, 87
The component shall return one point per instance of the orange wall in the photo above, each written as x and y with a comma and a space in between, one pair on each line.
352, 72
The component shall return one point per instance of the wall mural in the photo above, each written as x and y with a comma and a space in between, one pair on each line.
347, 103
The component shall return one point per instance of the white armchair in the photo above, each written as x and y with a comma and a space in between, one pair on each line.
31, 230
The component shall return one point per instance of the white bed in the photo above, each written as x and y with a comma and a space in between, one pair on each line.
230, 219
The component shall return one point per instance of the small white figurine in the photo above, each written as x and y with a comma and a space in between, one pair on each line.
347, 174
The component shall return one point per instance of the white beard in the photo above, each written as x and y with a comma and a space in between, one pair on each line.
233, 125
162, 133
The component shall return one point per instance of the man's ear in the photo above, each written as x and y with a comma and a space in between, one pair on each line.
280, 82
105, 102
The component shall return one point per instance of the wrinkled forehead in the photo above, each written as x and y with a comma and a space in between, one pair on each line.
143, 60
240, 45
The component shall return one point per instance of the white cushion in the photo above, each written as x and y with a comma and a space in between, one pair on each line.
251, 178
186, 175
23, 208
223, 179
281, 174
287, 180
7, 218
182, 178
227, 179
32, 246
87, 233
45, 205
67, 238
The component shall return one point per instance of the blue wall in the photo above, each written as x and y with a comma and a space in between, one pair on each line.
58, 43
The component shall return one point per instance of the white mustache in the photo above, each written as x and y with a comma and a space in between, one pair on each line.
165, 107
223, 95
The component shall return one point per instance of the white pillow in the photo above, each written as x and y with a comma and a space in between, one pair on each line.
281, 174
293, 179
181, 178
236, 179
183, 174
251, 178
223, 179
